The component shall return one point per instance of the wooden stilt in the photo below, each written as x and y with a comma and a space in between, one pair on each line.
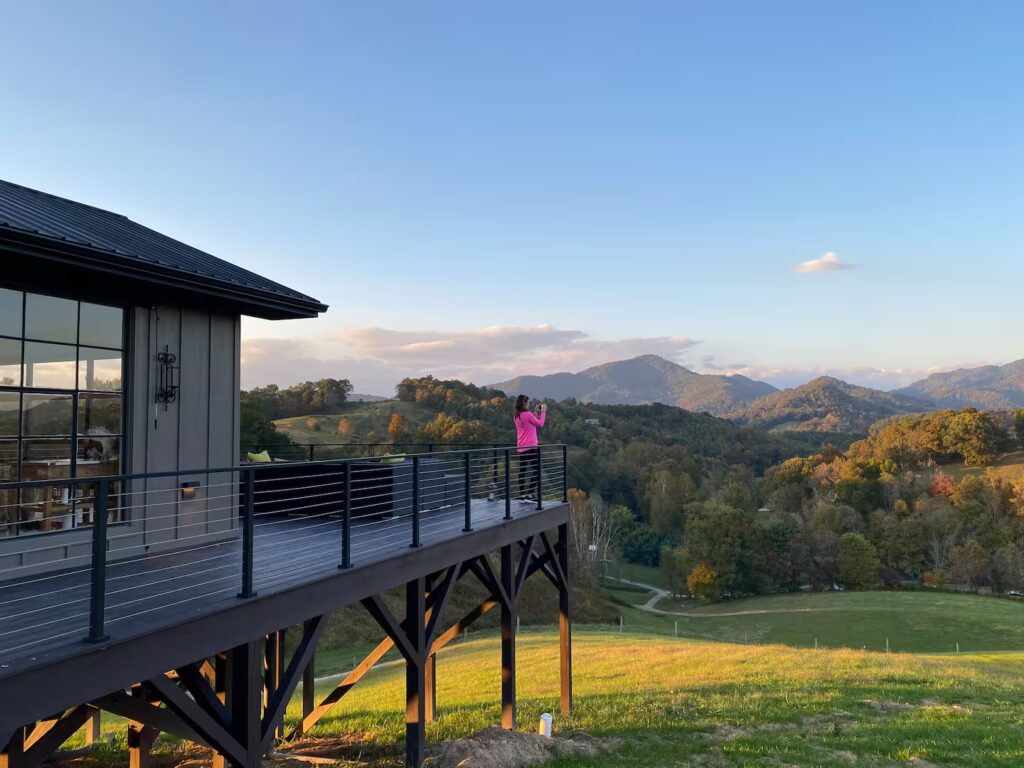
564, 619
430, 671
415, 677
245, 676
508, 640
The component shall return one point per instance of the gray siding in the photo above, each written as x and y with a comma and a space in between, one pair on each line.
199, 430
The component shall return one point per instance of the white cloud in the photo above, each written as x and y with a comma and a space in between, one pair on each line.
375, 359
828, 263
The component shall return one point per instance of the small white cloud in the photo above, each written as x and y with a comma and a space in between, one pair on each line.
828, 263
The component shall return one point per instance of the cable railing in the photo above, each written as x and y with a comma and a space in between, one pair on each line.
159, 546
343, 450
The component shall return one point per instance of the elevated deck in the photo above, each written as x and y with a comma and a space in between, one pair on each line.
316, 544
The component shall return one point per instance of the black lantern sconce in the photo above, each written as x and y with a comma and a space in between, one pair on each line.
188, 489
167, 381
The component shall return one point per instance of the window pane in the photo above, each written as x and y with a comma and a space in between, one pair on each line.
49, 365
46, 509
10, 312
99, 369
45, 459
8, 499
10, 363
10, 413
98, 456
46, 414
51, 319
85, 502
101, 326
99, 414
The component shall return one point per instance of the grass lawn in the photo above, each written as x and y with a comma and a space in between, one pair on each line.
683, 702
930, 622
667, 702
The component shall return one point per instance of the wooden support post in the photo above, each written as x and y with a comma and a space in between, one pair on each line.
564, 619
430, 669
508, 640
308, 687
14, 751
220, 687
93, 728
244, 700
415, 678
140, 736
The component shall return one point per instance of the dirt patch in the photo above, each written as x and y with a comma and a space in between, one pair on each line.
888, 706
498, 748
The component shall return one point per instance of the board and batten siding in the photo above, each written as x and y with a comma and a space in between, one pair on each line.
199, 430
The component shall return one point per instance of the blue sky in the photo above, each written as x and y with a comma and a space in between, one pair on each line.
483, 189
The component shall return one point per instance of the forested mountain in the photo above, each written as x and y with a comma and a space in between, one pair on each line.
990, 386
827, 405
641, 381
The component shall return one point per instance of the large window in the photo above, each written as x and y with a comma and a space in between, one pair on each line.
61, 405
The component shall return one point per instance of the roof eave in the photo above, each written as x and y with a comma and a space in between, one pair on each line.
260, 303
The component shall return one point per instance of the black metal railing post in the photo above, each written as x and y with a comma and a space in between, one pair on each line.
415, 500
540, 481
508, 484
248, 532
565, 474
346, 520
98, 588
312, 451
468, 496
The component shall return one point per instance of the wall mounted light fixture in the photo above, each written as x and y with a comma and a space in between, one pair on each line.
188, 489
167, 381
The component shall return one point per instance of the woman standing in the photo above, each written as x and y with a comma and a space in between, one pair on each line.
527, 423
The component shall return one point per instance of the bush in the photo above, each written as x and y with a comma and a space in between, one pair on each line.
313, 425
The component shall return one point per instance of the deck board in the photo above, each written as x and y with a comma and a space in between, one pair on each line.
41, 613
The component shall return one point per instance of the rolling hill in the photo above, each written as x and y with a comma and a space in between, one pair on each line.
986, 387
827, 405
641, 381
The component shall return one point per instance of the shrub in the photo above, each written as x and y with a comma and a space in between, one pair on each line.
313, 424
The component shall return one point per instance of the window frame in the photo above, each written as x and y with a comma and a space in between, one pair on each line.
77, 394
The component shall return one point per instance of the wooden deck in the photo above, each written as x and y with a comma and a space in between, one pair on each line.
48, 616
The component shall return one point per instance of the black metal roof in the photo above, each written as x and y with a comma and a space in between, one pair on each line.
93, 237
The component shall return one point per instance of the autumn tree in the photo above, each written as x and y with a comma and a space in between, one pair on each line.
396, 427
702, 583
858, 565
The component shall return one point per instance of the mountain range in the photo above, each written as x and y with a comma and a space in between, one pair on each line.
825, 404
641, 381
988, 386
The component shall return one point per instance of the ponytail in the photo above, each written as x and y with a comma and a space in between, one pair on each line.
521, 402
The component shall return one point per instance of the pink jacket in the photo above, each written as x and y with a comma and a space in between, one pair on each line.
526, 429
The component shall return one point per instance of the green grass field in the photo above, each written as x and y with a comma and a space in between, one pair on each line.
682, 702
928, 622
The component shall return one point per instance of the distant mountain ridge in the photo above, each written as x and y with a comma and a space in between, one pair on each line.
827, 404
641, 381
988, 386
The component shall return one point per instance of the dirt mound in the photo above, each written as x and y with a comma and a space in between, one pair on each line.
497, 748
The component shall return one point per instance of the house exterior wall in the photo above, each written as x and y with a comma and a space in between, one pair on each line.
199, 430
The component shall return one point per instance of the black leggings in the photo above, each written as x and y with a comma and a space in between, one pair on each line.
529, 468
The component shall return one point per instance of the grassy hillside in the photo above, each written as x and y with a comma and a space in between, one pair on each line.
368, 423
931, 622
681, 702
1007, 466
